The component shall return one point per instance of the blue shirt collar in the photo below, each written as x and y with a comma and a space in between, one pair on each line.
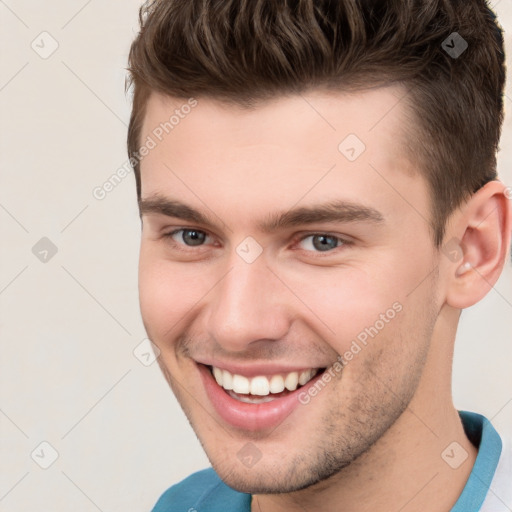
484, 437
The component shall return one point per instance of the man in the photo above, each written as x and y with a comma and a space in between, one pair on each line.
319, 200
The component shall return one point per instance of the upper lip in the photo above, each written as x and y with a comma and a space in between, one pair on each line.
255, 369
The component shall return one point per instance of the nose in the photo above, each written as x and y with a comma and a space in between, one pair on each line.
247, 306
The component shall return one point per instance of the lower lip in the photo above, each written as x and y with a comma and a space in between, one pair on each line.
251, 417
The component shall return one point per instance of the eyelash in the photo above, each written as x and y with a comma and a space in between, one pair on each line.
343, 242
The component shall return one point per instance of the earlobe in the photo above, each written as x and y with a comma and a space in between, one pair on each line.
484, 228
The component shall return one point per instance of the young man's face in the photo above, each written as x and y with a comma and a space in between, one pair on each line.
288, 250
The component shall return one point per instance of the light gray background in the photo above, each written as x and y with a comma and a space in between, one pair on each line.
69, 326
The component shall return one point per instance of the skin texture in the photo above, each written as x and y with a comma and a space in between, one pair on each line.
373, 437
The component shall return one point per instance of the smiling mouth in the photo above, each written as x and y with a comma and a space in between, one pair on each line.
262, 388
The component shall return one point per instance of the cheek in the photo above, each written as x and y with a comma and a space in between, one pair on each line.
361, 302
167, 293
343, 303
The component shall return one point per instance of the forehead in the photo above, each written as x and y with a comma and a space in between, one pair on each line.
376, 113
289, 149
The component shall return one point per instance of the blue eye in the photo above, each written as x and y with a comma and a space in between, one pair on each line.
321, 242
190, 237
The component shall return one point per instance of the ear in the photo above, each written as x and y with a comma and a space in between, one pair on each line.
483, 229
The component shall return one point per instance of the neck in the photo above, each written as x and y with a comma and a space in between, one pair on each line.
404, 470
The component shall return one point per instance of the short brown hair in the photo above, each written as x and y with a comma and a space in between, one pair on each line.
245, 51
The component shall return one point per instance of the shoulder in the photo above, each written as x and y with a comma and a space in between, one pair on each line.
201, 489
499, 499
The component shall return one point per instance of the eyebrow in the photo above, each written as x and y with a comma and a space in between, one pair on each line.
333, 211
173, 208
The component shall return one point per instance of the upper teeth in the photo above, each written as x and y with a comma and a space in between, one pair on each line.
262, 385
